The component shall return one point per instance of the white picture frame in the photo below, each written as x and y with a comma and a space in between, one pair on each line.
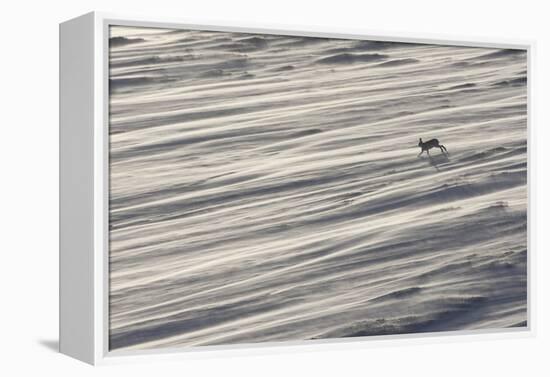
84, 189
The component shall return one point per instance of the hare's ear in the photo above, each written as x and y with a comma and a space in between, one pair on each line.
420, 139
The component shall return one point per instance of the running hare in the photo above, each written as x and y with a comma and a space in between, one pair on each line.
434, 143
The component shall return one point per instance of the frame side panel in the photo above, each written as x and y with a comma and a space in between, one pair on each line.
76, 167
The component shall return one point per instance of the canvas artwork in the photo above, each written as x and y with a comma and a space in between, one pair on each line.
274, 188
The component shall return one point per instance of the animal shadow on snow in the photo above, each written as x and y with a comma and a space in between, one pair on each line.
437, 160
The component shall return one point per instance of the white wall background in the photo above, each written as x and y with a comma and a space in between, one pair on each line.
29, 186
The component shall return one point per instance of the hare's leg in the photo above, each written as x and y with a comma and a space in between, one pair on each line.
422, 151
442, 147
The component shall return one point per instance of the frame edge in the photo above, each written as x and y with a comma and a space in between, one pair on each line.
76, 194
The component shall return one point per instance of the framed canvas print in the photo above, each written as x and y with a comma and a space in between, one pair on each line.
226, 187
